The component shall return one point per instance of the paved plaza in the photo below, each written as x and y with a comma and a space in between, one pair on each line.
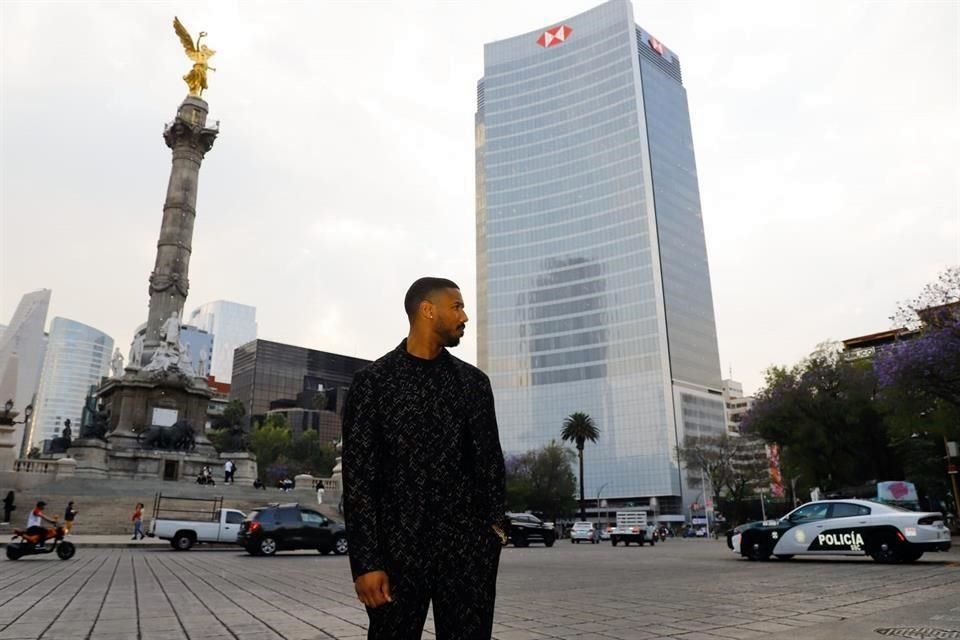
689, 589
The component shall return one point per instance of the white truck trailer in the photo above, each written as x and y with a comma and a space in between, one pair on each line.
200, 520
631, 527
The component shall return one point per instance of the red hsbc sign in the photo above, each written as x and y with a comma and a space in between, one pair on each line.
555, 36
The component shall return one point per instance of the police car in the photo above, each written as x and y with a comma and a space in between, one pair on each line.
844, 527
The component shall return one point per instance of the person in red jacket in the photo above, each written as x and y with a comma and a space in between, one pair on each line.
138, 522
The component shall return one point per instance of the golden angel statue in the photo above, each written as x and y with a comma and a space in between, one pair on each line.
197, 78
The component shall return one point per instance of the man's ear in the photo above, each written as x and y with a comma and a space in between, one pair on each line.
427, 309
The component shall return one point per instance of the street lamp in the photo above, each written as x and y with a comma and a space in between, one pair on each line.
599, 491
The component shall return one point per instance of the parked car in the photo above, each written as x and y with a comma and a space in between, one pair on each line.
284, 527
584, 532
208, 521
526, 528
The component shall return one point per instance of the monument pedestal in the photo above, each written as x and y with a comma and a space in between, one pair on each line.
91, 456
8, 447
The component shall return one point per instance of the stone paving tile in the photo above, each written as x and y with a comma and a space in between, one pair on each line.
701, 592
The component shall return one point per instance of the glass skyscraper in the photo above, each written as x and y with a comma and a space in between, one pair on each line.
22, 349
593, 286
77, 357
231, 324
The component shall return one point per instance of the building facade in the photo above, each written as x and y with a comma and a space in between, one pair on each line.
231, 324
22, 349
592, 279
301, 383
736, 404
77, 357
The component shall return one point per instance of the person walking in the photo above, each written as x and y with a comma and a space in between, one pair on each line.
68, 516
423, 471
9, 506
138, 522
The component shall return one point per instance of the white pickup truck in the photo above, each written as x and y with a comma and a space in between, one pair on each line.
216, 525
631, 527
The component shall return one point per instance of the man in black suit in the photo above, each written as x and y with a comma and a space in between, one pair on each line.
423, 473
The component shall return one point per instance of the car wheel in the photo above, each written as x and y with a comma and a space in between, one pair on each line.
785, 556
548, 541
886, 553
613, 541
253, 550
268, 546
66, 550
910, 556
572, 540
758, 552
183, 542
520, 540
340, 546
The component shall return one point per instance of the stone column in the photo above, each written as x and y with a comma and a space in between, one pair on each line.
190, 139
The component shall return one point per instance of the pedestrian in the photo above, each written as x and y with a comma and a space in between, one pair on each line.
68, 517
138, 522
233, 470
423, 472
319, 493
226, 472
9, 506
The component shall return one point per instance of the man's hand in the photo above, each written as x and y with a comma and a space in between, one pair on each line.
373, 589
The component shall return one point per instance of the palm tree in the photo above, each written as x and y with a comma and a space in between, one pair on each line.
578, 427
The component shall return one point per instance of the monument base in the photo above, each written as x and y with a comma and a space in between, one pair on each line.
147, 437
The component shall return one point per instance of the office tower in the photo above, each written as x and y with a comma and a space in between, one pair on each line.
592, 278
231, 325
22, 348
78, 357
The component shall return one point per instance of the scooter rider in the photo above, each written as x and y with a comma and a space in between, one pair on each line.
35, 523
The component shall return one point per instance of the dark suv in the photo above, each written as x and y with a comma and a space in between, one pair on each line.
526, 528
282, 527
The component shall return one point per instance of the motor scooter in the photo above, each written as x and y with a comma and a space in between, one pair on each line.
30, 544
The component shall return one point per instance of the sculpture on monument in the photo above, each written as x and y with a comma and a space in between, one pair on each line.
116, 363
197, 78
179, 437
62, 443
96, 420
136, 351
203, 369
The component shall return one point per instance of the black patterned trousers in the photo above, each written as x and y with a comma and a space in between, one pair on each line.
462, 590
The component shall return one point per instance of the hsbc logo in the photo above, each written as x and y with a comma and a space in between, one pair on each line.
555, 36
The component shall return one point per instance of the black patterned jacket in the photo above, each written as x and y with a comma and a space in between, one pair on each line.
423, 471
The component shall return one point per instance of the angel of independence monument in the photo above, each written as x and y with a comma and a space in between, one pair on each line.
148, 419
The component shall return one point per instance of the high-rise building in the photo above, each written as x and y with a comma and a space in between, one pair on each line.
299, 382
737, 405
77, 357
231, 325
22, 349
592, 279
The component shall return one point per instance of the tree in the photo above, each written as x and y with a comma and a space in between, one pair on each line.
735, 465
270, 440
542, 480
307, 454
919, 382
578, 428
824, 415
228, 433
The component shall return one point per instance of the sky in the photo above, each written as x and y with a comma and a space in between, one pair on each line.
827, 137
